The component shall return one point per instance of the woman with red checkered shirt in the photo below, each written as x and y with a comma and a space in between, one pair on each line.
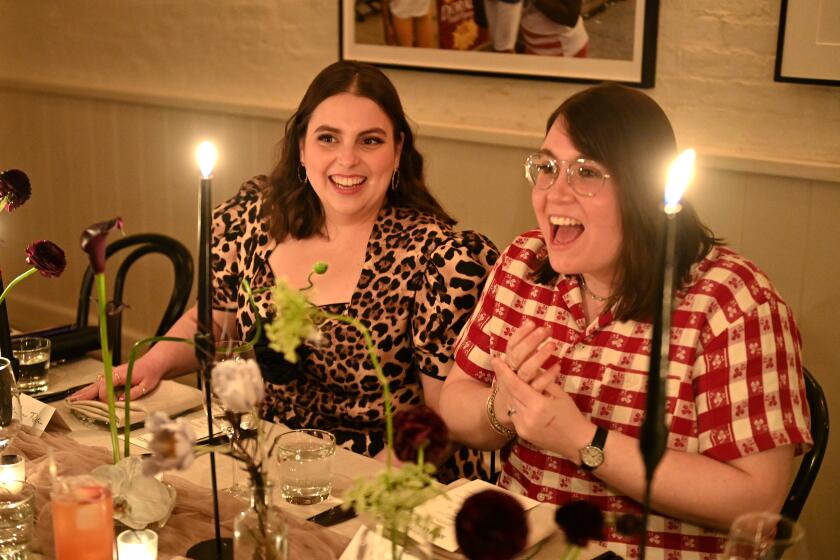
553, 364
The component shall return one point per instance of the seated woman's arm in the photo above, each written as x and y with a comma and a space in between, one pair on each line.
687, 486
164, 360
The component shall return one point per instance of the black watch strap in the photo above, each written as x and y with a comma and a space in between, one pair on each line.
600, 437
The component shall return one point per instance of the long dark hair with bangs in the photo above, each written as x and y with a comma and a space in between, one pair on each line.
292, 208
630, 134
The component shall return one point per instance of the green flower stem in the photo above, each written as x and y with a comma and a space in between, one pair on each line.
132, 356
386, 389
571, 552
3, 202
23, 276
250, 293
106, 361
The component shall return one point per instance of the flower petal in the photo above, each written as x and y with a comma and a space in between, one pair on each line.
93, 242
420, 427
15, 185
491, 525
47, 257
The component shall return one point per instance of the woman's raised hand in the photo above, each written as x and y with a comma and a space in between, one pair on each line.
540, 410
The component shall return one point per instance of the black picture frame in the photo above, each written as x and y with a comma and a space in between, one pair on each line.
637, 70
801, 57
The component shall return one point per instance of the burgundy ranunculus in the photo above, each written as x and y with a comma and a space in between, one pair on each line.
420, 427
15, 185
491, 525
93, 242
629, 524
47, 257
582, 521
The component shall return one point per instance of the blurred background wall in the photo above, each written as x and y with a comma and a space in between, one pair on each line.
102, 104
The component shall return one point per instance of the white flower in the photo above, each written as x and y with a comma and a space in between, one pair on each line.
238, 384
144, 499
171, 444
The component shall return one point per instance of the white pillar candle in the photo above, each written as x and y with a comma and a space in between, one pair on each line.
137, 545
12, 468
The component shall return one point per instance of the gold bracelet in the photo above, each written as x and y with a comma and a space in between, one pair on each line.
497, 426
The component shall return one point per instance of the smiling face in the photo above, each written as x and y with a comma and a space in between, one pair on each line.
582, 234
350, 154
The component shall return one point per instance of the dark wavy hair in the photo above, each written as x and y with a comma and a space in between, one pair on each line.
630, 134
292, 208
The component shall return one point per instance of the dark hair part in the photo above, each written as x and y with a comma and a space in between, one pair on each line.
292, 208
629, 133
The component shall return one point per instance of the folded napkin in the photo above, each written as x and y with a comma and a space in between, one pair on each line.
170, 397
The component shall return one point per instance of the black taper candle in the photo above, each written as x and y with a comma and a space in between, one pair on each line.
6, 335
653, 436
204, 352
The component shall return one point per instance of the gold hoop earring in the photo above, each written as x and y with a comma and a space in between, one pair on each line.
301, 173
395, 179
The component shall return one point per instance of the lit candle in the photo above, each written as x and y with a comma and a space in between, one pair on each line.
137, 545
206, 155
654, 433
12, 469
653, 436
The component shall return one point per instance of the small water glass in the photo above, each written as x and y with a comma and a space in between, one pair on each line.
33, 356
17, 503
305, 458
765, 536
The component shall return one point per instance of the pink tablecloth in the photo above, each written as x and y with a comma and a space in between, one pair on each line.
191, 520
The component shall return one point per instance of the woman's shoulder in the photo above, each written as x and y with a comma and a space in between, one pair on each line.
415, 229
244, 206
732, 283
525, 254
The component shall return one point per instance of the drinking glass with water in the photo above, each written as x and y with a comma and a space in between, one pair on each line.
305, 458
33, 355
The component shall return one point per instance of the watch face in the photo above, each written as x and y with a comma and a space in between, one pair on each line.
591, 456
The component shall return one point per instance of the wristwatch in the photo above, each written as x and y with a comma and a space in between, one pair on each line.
592, 455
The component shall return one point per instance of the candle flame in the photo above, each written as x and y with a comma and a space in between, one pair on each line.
206, 155
679, 176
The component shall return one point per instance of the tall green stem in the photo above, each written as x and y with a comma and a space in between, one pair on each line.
132, 356
21, 277
106, 361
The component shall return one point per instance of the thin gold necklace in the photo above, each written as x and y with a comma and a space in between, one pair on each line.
589, 292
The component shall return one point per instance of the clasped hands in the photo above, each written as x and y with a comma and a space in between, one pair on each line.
529, 398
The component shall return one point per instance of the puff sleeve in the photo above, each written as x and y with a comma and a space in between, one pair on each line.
228, 229
447, 292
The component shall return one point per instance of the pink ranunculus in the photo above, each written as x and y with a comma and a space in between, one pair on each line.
491, 525
420, 427
14, 185
94, 242
171, 444
47, 257
238, 384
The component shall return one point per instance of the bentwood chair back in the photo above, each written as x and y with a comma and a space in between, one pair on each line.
812, 460
141, 244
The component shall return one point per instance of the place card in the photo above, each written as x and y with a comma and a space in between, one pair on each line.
36, 416
443, 509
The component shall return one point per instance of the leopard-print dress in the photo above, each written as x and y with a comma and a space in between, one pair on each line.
418, 286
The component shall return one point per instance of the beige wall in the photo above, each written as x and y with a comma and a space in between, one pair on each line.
102, 104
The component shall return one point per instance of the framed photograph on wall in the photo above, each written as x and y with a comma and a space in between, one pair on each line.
808, 46
569, 40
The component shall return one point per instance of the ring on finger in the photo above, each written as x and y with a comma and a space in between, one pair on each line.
511, 411
142, 389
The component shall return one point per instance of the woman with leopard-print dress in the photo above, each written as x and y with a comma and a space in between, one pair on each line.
349, 190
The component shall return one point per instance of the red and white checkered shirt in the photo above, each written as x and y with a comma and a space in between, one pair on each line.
734, 387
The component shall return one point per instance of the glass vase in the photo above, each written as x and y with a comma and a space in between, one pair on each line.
260, 532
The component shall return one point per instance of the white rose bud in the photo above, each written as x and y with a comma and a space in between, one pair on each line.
171, 444
238, 384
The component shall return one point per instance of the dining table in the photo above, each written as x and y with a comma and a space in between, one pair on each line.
73, 445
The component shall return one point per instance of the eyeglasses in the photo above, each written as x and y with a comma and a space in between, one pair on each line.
584, 176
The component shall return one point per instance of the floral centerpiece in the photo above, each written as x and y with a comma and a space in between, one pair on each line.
139, 499
260, 532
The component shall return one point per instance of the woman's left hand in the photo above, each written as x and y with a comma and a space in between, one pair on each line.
541, 411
